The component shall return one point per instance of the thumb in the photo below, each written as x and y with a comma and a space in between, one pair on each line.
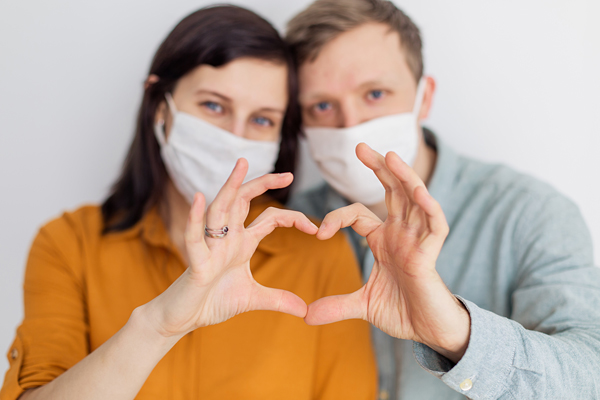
337, 308
269, 299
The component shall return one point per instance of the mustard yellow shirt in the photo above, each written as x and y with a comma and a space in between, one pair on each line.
81, 287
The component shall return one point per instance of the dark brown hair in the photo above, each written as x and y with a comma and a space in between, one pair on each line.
323, 20
215, 36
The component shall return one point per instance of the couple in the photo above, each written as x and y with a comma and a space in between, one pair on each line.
490, 293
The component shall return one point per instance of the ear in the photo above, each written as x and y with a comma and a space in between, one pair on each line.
427, 97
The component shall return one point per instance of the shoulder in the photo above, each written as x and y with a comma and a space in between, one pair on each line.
86, 217
82, 224
62, 243
534, 208
501, 184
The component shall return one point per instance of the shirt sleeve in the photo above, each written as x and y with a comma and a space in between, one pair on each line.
346, 364
550, 346
53, 335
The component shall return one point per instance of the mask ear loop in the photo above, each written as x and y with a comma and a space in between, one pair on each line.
171, 104
420, 97
159, 131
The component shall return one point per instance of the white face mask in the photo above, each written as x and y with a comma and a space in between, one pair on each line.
334, 151
199, 156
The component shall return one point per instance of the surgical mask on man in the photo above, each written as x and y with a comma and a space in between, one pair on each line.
199, 156
333, 150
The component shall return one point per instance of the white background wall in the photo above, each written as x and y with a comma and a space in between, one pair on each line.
518, 83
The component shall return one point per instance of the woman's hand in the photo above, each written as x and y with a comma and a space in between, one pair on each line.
218, 283
404, 296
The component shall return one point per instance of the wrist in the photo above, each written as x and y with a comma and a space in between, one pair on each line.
144, 322
454, 344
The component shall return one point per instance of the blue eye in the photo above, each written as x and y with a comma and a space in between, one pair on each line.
375, 94
323, 106
262, 121
211, 105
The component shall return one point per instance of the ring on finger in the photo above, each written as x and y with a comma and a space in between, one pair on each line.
216, 233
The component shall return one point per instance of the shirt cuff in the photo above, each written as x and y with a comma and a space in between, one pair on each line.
484, 370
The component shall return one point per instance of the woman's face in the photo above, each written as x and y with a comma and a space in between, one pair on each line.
247, 97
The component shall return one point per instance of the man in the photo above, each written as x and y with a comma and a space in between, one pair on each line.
491, 293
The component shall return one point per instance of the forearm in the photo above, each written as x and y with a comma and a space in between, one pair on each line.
116, 370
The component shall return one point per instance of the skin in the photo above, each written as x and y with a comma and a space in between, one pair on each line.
202, 295
360, 75
247, 97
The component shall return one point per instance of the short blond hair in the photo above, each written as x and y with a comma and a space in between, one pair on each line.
324, 20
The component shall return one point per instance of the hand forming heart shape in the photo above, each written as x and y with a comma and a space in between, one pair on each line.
218, 283
404, 296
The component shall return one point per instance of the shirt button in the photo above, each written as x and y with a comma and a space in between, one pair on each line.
14, 354
384, 395
466, 385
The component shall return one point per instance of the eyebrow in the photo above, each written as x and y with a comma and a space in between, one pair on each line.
227, 99
214, 94
321, 95
375, 82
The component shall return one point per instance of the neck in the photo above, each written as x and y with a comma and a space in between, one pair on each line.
424, 166
174, 210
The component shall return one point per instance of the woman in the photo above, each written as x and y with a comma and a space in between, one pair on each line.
129, 300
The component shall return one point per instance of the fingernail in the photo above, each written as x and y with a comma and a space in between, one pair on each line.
316, 227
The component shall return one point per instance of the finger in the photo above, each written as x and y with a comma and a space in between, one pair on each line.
264, 298
396, 199
195, 243
260, 185
405, 174
273, 218
217, 215
356, 215
255, 188
376, 162
435, 219
337, 308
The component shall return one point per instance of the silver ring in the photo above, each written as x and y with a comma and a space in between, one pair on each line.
216, 233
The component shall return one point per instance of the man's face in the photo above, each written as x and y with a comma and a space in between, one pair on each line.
360, 75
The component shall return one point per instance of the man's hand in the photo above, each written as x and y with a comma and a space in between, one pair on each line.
405, 296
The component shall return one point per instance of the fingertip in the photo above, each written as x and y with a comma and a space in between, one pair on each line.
422, 195
198, 202
362, 150
242, 162
297, 307
198, 197
286, 177
242, 166
310, 317
306, 226
314, 228
394, 161
322, 233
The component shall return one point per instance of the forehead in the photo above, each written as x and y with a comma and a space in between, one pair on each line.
370, 52
245, 79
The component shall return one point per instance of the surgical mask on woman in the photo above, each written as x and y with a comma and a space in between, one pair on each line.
199, 156
333, 149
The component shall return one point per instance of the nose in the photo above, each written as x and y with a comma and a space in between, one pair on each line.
349, 115
238, 127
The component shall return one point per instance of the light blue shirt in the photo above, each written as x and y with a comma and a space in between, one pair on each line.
519, 256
